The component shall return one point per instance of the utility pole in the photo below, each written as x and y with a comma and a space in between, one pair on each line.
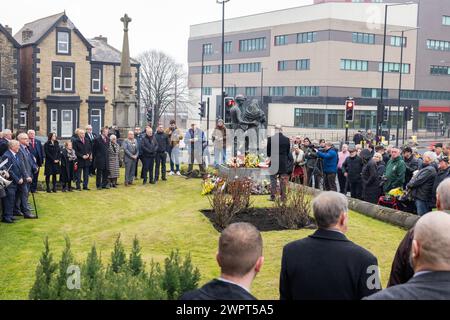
176, 93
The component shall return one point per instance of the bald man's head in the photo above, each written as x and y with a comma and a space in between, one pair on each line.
443, 195
430, 250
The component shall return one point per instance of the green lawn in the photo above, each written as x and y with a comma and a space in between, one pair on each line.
164, 217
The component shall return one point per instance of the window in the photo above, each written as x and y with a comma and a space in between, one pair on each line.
440, 70
306, 91
57, 78
96, 79
302, 64
281, 40
282, 65
425, 95
374, 93
257, 44
63, 42
446, 20
207, 49
438, 45
367, 38
306, 37
250, 91
250, 67
23, 119
227, 68
68, 79
231, 91
311, 118
207, 91
396, 41
276, 91
354, 65
228, 46
53, 120
207, 69
394, 67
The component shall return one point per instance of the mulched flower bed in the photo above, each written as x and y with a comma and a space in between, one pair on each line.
262, 218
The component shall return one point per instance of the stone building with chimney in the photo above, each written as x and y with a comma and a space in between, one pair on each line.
9, 80
67, 81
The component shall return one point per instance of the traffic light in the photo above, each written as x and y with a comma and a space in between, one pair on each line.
229, 102
380, 112
408, 113
349, 110
201, 110
386, 114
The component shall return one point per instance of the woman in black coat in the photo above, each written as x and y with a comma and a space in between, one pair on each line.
68, 160
370, 178
52, 160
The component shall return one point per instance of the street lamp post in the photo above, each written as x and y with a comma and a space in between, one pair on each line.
380, 121
222, 2
262, 85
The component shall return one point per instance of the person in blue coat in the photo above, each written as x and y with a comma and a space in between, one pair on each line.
37, 151
330, 162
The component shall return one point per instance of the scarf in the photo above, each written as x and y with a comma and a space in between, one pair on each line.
71, 155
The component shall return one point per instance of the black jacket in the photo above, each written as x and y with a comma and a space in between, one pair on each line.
371, 182
218, 290
162, 141
422, 184
325, 266
52, 153
427, 286
148, 147
100, 153
279, 151
440, 176
412, 164
353, 166
82, 149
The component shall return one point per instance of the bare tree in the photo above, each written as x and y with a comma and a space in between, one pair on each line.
159, 75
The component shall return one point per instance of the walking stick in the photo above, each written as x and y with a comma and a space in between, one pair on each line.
35, 207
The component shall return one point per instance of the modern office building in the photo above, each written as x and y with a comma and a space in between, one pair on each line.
304, 62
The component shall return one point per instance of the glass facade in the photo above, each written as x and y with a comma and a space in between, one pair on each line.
307, 91
257, 44
425, 95
394, 67
438, 45
276, 91
354, 65
396, 41
250, 91
306, 37
228, 46
281, 40
373, 93
250, 67
302, 64
282, 65
367, 38
440, 70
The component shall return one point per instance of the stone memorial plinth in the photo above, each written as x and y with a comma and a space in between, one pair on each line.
258, 175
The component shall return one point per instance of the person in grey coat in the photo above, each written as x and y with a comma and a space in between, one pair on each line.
431, 262
131, 149
113, 161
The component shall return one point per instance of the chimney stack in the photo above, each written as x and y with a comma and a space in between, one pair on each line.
9, 29
102, 39
26, 35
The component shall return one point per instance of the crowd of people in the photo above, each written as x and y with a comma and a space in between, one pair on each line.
71, 163
365, 171
328, 266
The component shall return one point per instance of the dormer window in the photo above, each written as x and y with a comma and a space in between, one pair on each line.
63, 42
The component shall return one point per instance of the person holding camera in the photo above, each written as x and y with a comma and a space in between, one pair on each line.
313, 164
330, 162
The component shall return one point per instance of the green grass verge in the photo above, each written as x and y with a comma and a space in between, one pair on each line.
164, 217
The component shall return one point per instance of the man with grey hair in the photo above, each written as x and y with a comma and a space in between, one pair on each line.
7, 136
240, 258
430, 258
421, 185
401, 270
326, 265
36, 149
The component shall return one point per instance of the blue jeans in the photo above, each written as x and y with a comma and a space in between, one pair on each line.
219, 156
423, 207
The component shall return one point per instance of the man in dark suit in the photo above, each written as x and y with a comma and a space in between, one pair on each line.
90, 137
326, 265
27, 159
18, 176
430, 257
83, 151
100, 156
240, 259
281, 161
7, 136
35, 147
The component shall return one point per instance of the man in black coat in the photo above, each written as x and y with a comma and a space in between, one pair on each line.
148, 147
430, 258
371, 179
83, 151
163, 145
443, 173
412, 164
90, 137
100, 155
37, 151
240, 260
352, 169
281, 161
326, 265
7, 136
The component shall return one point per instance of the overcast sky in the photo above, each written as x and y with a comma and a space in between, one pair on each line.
157, 24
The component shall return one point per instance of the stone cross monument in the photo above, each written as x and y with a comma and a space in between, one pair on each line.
125, 105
